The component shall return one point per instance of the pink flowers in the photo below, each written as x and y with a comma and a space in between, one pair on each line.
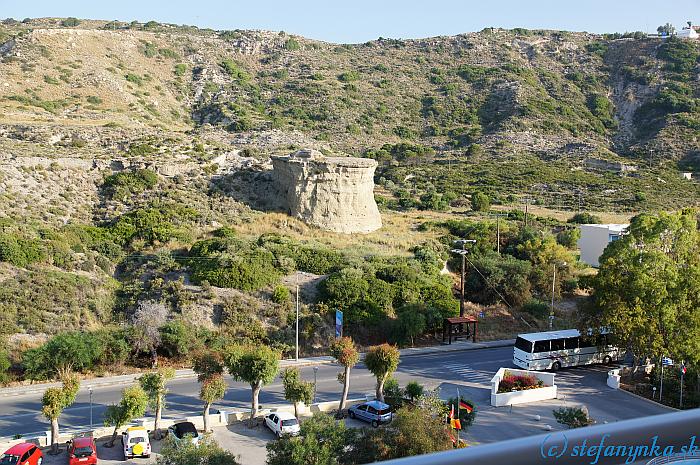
511, 382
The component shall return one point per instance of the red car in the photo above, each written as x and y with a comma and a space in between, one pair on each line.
25, 453
82, 451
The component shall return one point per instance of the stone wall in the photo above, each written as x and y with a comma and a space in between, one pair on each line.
332, 193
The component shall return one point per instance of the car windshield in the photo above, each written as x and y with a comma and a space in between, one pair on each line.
522, 344
7, 459
290, 422
137, 439
83, 451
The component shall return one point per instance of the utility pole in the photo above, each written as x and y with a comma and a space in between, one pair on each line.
498, 230
297, 331
651, 156
90, 390
527, 203
463, 253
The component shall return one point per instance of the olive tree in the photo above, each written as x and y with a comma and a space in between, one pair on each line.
255, 365
132, 404
295, 389
212, 389
382, 361
154, 385
145, 332
55, 400
345, 353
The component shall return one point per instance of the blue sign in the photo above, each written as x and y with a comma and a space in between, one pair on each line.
338, 323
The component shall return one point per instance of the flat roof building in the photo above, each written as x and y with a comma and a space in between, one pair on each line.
595, 238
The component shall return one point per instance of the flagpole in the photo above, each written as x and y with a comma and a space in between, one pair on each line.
458, 417
661, 389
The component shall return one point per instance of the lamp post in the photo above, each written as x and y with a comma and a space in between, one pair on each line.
90, 391
463, 253
297, 330
315, 372
554, 280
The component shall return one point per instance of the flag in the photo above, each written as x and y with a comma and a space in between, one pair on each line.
666, 361
455, 423
452, 411
454, 441
465, 406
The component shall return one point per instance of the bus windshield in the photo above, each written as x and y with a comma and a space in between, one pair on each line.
522, 344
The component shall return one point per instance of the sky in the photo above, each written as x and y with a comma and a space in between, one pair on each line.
354, 21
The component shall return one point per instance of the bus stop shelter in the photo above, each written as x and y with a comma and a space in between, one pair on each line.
460, 326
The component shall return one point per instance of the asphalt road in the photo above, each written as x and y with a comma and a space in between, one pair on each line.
469, 370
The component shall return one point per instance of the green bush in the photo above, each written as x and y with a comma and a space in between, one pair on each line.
19, 251
229, 262
235, 70
584, 218
70, 22
573, 417
569, 237
134, 78
79, 351
180, 69
176, 339
498, 276
157, 223
281, 294
349, 76
480, 202
292, 44
4, 367
127, 183
536, 308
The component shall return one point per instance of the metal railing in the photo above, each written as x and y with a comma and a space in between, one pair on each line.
631, 441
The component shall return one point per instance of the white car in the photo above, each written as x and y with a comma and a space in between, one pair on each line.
282, 423
136, 443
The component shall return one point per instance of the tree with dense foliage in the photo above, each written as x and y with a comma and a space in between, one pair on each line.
666, 29
4, 366
480, 202
495, 277
321, 441
414, 390
212, 389
296, 389
646, 290
209, 368
76, 351
132, 404
584, 218
410, 323
382, 361
154, 384
255, 365
206, 452
346, 354
55, 400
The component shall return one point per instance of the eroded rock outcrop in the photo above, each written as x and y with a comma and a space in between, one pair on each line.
332, 193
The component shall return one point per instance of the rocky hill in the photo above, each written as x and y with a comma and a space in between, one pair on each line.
124, 145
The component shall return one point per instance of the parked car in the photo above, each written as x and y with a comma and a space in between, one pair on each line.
136, 443
82, 451
179, 431
373, 412
25, 453
282, 423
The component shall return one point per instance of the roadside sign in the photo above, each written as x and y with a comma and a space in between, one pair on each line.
338, 324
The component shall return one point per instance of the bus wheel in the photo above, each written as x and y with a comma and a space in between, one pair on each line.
607, 360
556, 366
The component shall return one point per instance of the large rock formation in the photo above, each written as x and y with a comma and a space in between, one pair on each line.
332, 193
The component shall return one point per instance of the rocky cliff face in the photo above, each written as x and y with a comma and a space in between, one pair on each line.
332, 193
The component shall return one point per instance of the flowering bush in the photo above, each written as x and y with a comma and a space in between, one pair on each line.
511, 382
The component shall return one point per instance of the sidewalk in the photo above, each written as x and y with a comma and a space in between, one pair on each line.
302, 362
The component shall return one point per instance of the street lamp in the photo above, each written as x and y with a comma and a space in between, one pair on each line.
463, 253
297, 331
90, 391
315, 372
554, 280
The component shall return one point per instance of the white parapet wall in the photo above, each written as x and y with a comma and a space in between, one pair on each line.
549, 391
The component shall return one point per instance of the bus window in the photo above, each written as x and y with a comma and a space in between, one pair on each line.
586, 342
557, 344
571, 343
542, 346
522, 344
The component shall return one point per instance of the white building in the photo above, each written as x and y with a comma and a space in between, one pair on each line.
595, 238
687, 33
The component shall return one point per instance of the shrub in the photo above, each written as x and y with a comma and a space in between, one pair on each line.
393, 394
281, 294
235, 70
292, 44
409, 324
20, 252
573, 417
4, 367
134, 78
176, 339
70, 22
569, 237
180, 69
349, 76
414, 390
94, 100
536, 308
498, 276
127, 183
511, 382
480, 202
584, 218
78, 351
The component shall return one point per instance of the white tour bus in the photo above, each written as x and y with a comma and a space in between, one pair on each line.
551, 350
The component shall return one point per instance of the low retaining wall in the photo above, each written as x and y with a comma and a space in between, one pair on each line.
522, 397
222, 418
